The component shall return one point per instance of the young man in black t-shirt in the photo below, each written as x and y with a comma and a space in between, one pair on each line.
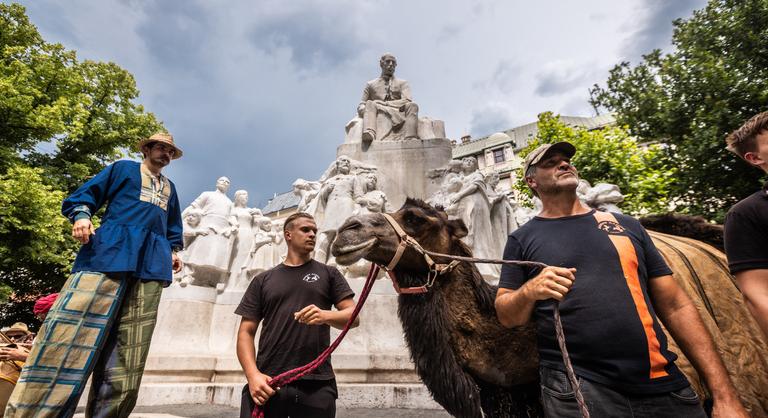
611, 283
746, 225
293, 302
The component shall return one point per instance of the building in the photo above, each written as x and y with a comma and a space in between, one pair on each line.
499, 151
281, 205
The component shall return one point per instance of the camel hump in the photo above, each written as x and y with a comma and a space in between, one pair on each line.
702, 271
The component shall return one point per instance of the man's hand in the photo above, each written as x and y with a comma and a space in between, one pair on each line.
177, 264
82, 230
13, 354
550, 283
260, 389
728, 409
311, 315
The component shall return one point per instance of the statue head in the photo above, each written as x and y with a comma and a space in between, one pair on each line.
264, 223
241, 198
192, 217
222, 184
469, 164
343, 165
370, 180
492, 179
388, 63
454, 166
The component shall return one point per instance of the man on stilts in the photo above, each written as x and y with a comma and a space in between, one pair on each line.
103, 319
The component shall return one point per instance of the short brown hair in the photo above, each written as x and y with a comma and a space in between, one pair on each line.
293, 217
743, 140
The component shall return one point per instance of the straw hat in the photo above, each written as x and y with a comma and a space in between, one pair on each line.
17, 328
165, 138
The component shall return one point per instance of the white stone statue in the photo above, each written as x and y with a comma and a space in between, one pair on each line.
601, 196
282, 248
372, 200
243, 239
387, 111
216, 209
335, 203
448, 177
192, 229
263, 252
472, 205
307, 191
503, 220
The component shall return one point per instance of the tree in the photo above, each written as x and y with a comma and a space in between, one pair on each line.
690, 99
61, 121
611, 155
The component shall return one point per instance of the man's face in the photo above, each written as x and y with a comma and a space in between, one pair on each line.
16, 336
759, 157
343, 165
159, 154
388, 64
300, 236
222, 184
554, 174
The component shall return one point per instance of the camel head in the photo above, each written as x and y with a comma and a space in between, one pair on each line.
373, 238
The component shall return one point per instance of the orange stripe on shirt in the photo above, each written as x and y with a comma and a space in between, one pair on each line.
629, 264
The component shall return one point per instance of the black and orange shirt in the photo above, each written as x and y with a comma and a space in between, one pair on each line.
611, 330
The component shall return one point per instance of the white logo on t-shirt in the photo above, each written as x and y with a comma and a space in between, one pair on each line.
311, 278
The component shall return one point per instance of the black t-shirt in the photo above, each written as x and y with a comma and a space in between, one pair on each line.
611, 330
746, 233
274, 296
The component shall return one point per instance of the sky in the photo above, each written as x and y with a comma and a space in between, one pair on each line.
260, 91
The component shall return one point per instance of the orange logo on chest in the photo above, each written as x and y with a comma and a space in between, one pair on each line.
611, 227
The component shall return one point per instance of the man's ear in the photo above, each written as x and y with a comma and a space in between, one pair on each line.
530, 182
457, 228
754, 159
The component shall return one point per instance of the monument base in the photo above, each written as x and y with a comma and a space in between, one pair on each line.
402, 165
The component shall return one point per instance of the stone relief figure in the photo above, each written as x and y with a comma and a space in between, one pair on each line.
447, 178
192, 229
263, 251
244, 237
503, 220
307, 191
387, 107
282, 248
216, 209
335, 203
601, 196
472, 204
372, 200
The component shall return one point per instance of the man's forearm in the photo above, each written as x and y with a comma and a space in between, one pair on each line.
514, 308
339, 319
246, 354
687, 328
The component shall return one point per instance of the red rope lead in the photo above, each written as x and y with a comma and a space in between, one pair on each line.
299, 372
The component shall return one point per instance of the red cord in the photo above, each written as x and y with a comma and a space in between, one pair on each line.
299, 372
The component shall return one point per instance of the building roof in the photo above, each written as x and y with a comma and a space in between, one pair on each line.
281, 201
523, 134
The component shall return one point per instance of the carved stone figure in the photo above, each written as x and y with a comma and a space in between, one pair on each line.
216, 209
602, 196
473, 206
448, 180
335, 203
244, 237
387, 107
307, 191
372, 200
192, 229
503, 220
263, 251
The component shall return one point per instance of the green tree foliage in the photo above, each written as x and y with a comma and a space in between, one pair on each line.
690, 99
61, 121
611, 155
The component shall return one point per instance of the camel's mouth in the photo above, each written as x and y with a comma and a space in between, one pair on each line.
349, 254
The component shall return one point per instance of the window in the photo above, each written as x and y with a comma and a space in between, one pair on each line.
498, 155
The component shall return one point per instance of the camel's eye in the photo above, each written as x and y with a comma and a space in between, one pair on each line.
412, 220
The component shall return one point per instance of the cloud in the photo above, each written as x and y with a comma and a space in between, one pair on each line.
490, 118
654, 30
504, 79
560, 78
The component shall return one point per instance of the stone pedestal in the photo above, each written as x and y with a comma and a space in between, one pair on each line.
403, 165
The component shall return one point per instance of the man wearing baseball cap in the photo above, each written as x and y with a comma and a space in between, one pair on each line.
610, 282
104, 316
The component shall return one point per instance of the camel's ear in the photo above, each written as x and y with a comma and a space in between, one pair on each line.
457, 228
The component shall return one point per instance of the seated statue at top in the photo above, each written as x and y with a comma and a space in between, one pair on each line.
387, 107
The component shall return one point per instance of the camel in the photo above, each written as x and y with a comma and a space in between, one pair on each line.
473, 366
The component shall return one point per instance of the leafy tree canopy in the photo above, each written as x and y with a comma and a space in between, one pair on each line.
61, 121
611, 155
690, 99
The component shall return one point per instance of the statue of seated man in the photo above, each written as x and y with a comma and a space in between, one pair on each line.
387, 107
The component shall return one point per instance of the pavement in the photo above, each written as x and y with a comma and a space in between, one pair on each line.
217, 411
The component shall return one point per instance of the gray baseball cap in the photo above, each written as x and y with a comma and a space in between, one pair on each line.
546, 150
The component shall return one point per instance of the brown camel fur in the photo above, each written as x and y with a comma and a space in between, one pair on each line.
487, 366
469, 362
